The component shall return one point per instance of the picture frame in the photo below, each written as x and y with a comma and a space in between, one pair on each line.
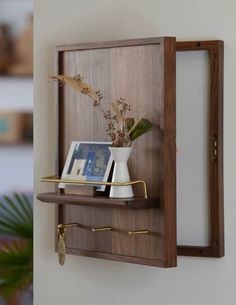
88, 161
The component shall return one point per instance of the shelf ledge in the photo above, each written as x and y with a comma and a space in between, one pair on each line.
99, 201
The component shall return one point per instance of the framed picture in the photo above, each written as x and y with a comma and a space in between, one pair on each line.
88, 161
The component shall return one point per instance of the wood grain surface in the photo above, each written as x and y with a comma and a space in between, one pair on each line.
143, 72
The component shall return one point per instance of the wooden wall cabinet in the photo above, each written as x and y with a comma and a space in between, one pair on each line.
143, 71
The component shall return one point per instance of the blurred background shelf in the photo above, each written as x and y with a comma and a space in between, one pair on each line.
16, 144
16, 122
16, 128
16, 96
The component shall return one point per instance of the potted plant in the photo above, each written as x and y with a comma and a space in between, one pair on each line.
121, 129
16, 246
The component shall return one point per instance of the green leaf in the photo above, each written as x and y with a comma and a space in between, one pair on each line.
29, 205
15, 208
23, 204
15, 266
129, 123
140, 128
16, 217
16, 256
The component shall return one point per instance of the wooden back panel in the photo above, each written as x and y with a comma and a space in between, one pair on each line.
143, 72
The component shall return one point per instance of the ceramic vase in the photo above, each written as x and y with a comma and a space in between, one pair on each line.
121, 173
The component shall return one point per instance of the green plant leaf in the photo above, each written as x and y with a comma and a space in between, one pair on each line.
24, 207
129, 123
16, 217
141, 127
15, 208
16, 256
28, 205
7, 212
15, 266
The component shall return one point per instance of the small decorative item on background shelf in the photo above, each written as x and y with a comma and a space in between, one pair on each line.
16, 127
122, 130
11, 127
16, 53
5, 48
22, 58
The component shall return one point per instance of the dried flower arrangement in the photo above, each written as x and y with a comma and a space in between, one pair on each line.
122, 130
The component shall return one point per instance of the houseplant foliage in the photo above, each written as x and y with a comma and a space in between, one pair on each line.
121, 128
16, 252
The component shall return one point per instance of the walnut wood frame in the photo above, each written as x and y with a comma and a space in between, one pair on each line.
166, 214
215, 149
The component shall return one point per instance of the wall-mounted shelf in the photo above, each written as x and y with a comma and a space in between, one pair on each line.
17, 143
148, 68
99, 201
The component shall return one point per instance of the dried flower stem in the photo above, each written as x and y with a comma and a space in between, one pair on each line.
117, 121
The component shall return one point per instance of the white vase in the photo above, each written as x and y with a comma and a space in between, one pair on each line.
121, 173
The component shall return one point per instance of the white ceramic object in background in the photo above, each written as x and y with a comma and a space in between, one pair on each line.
121, 173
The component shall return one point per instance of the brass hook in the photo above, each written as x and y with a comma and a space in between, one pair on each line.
101, 229
139, 232
62, 228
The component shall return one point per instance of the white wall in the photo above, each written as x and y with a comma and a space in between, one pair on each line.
16, 94
88, 281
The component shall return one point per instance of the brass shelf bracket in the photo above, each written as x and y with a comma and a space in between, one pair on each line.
56, 179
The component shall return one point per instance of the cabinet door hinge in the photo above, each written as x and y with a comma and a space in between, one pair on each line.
215, 147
